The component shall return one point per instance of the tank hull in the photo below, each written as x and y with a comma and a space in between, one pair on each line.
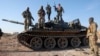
51, 39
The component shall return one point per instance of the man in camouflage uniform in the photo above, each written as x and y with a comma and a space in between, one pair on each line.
48, 11
27, 15
1, 33
92, 35
59, 10
41, 14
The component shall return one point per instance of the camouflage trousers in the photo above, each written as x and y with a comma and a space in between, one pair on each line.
41, 23
93, 46
27, 23
48, 16
59, 16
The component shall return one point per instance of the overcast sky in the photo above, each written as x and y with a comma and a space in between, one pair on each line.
82, 9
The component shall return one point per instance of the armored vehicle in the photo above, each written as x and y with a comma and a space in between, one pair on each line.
55, 34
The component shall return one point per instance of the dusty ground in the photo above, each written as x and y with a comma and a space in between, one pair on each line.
9, 46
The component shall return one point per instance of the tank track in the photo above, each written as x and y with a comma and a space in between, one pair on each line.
22, 39
26, 40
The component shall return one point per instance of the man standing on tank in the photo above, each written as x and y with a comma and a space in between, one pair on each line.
92, 35
48, 11
59, 11
41, 14
27, 15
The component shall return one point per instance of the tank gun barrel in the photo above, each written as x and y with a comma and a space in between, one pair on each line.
16, 22
12, 21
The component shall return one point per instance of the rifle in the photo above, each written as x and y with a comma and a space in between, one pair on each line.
55, 6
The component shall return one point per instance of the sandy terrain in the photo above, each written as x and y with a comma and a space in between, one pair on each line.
9, 46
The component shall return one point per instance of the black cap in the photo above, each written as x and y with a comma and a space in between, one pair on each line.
91, 19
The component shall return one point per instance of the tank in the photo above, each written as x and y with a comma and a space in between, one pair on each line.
55, 34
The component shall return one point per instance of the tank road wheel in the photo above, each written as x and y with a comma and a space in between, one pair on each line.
75, 42
85, 41
36, 43
62, 42
49, 43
